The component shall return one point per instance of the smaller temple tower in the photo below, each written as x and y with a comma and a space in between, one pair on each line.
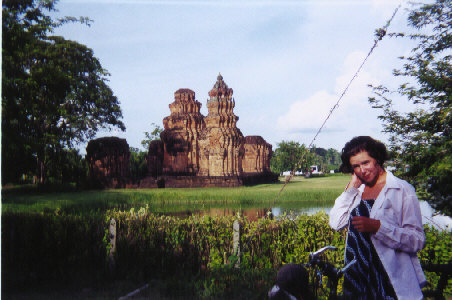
181, 133
257, 155
108, 161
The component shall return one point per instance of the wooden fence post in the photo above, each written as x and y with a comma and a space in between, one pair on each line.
112, 236
236, 242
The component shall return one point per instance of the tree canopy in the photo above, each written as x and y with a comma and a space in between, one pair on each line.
154, 135
287, 157
421, 139
55, 92
327, 159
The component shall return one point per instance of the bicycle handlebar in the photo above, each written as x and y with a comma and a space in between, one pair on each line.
327, 268
313, 255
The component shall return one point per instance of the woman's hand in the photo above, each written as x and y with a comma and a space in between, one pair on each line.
365, 224
354, 182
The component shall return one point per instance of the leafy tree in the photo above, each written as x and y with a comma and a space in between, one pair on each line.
288, 157
421, 139
326, 159
154, 135
138, 164
333, 158
54, 91
319, 155
319, 151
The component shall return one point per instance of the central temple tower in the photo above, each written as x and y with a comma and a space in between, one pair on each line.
220, 142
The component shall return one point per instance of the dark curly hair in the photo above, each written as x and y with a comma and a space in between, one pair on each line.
376, 150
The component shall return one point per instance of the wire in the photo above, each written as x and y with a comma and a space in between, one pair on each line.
380, 34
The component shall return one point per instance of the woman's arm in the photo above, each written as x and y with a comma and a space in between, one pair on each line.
341, 210
409, 236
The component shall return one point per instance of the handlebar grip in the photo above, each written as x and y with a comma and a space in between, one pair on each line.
312, 255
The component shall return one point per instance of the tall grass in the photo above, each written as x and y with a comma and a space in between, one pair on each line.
309, 191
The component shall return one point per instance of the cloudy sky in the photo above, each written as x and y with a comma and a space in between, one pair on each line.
287, 61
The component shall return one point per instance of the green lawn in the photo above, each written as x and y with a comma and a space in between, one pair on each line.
318, 190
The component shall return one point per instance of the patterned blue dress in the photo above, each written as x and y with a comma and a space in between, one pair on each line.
367, 279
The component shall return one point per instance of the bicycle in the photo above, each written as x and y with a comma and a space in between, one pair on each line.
324, 268
321, 268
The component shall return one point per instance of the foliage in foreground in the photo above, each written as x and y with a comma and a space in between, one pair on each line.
191, 257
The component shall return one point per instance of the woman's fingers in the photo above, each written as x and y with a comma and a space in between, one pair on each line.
364, 224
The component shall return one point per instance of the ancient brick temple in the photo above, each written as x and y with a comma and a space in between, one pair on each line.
198, 151
108, 162
207, 151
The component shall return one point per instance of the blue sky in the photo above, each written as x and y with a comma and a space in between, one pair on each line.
287, 61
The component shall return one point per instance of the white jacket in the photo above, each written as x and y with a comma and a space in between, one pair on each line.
400, 236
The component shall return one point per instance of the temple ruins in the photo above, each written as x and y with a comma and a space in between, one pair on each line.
194, 150
108, 162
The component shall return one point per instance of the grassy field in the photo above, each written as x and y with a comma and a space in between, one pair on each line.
312, 191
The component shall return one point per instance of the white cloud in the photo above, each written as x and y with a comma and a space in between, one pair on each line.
358, 89
306, 114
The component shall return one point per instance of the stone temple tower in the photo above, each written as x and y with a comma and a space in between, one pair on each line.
180, 134
221, 141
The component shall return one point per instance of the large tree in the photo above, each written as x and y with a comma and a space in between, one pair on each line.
326, 159
54, 91
290, 156
421, 138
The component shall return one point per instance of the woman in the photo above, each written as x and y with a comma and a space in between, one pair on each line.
385, 226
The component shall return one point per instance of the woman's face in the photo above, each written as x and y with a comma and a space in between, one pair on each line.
365, 167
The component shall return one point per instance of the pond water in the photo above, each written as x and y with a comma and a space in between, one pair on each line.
291, 209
